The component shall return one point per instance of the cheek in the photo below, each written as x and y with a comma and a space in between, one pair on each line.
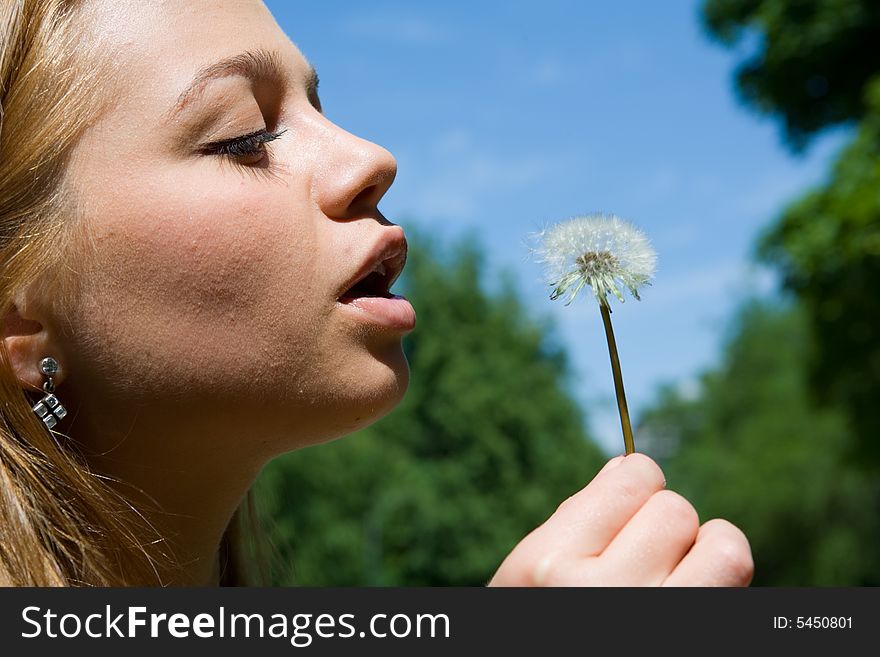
197, 288
214, 257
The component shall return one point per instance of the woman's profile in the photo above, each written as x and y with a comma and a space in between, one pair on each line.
195, 278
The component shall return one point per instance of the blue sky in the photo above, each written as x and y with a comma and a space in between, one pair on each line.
506, 116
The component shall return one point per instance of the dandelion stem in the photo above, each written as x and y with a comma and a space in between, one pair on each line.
618, 380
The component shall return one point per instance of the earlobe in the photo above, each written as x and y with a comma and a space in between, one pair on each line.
26, 343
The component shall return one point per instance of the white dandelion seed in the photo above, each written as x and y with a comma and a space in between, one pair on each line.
603, 251
608, 254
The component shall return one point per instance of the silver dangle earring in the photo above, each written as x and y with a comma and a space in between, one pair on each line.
49, 409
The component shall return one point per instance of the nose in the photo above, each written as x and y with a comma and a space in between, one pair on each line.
355, 175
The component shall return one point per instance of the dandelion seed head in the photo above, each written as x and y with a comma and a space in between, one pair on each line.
603, 251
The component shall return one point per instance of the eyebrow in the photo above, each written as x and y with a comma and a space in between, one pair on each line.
257, 65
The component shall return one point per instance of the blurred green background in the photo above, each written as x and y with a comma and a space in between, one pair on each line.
783, 437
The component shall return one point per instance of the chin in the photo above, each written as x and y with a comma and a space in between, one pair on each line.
370, 390
378, 390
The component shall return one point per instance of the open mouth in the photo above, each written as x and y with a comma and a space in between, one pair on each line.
378, 280
375, 284
369, 297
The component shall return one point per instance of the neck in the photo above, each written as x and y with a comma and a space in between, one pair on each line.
188, 496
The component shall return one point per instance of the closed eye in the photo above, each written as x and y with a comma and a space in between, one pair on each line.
246, 149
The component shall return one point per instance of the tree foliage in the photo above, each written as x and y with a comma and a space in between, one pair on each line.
802, 479
812, 61
485, 445
754, 449
818, 64
827, 245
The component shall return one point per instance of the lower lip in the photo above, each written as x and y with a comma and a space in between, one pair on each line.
394, 312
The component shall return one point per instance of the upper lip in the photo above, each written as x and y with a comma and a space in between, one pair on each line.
388, 252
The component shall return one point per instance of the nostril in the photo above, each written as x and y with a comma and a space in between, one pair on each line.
364, 199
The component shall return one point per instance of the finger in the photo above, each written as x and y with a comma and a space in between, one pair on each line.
588, 520
612, 463
721, 556
654, 542
583, 525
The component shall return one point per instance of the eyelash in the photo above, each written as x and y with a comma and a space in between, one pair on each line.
246, 146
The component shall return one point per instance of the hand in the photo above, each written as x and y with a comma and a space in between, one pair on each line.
624, 529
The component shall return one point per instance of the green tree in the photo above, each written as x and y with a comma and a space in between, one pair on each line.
485, 445
812, 60
753, 448
800, 478
827, 246
817, 64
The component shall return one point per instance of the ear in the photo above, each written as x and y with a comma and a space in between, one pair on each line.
27, 343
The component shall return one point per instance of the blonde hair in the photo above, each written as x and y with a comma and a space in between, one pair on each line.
60, 523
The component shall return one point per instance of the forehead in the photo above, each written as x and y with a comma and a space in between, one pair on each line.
157, 47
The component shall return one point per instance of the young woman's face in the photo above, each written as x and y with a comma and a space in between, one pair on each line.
214, 266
